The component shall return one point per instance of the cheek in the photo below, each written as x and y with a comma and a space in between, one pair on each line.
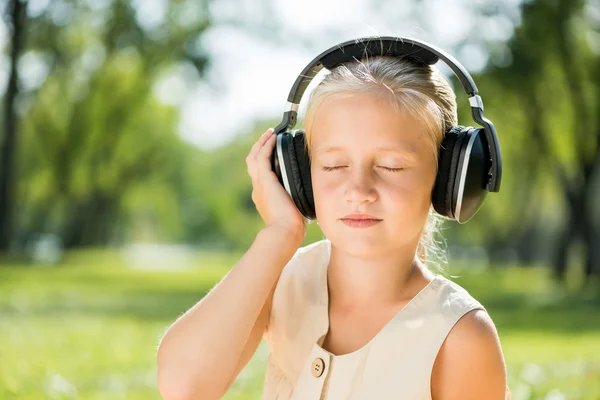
327, 194
416, 189
323, 186
404, 195
416, 182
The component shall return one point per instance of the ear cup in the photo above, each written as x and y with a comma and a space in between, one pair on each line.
299, 166
474, 163
447, 161
464, 163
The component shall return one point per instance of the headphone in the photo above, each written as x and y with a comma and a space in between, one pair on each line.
470, 164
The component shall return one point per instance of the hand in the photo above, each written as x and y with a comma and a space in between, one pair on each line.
272, 201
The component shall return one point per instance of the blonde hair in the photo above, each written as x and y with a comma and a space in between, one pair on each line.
419, 89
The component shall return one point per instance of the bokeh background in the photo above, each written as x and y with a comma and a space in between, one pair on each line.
124, 195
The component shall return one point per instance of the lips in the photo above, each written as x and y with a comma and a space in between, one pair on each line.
360, 217
360, 223
360, 220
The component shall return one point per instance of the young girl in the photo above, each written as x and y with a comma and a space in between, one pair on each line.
357, 315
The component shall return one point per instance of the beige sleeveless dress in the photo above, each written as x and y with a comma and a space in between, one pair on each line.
395, 364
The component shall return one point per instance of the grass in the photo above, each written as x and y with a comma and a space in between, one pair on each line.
88, 328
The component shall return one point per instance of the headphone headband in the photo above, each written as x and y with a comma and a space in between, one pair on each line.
379, 46
416, 50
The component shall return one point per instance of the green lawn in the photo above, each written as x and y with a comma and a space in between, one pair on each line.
88, 329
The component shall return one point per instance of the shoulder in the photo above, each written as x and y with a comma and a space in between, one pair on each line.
299, 283
470, 363
305, 263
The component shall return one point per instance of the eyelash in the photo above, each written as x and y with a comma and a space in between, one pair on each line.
342, 166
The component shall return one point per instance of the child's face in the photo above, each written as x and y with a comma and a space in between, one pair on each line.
402, 199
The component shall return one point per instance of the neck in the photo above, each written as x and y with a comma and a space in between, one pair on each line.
356, 282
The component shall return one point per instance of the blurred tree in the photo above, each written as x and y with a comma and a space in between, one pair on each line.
555, 74
93, 127
15, 17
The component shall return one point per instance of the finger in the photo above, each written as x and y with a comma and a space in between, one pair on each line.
251, 159
260, 143
266, 150
264, 155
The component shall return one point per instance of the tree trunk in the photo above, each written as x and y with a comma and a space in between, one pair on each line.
590, 231
91, 223
592, 259
573, 229
8, 143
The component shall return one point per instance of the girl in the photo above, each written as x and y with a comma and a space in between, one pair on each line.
357, 315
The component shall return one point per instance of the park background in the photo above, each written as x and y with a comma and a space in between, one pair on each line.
124, 195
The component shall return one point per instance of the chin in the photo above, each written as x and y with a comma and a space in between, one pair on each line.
358, 242
362, 248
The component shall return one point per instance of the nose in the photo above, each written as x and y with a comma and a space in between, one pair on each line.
360, 187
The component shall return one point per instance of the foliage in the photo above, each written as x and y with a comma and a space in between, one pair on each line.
93, 129
89, 327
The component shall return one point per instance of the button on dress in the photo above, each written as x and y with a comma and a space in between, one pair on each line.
396, 363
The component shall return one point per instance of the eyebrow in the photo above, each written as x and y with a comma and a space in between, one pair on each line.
330, 149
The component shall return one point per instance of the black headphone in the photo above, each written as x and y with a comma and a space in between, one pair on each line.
470, 163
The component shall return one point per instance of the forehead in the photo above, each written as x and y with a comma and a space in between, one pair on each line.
365, 123
384, 149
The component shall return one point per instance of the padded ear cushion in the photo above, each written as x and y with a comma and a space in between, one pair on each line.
453, 174
304, 168
301, 186
446, 175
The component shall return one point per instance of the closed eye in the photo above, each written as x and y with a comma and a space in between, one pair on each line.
343, 166
391, 169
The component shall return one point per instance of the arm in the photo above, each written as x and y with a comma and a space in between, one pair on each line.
204, 350
254, 339
470, 364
